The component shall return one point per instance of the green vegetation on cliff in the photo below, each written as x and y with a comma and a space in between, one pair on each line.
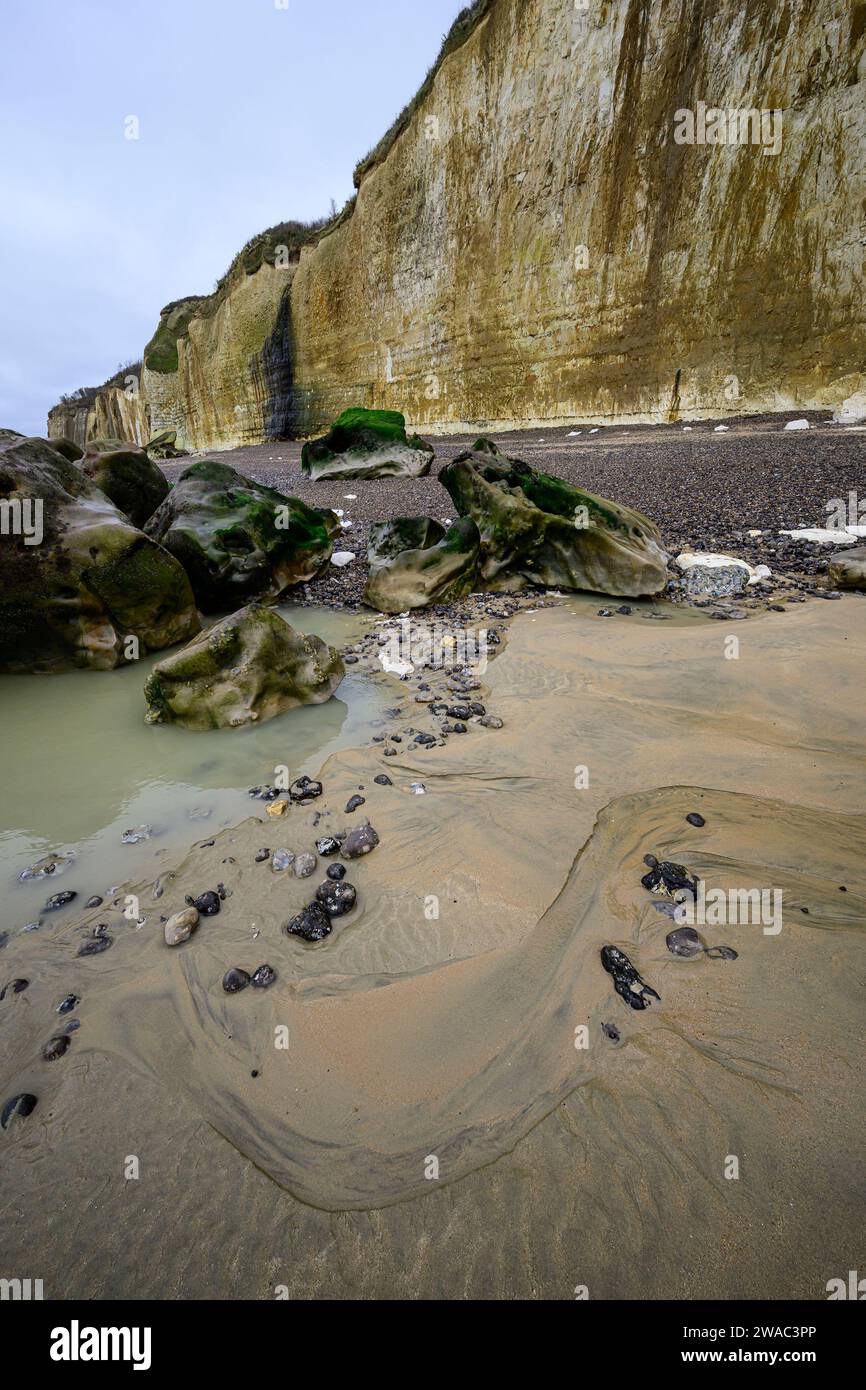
463, 27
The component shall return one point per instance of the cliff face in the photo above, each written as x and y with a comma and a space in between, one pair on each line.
110, 414
233, 383
538, 247
565, 230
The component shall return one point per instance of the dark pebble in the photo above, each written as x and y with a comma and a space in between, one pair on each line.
208, 904
235, 980
68, 1004
55, 1047
95, 946
336, 898
264, 976
262, 855
611, 1031
58, 900
327, 846
23, 1105
337, 872
313, 924
14, 987
694, 818
383, 780
95, 901
353, 803
304, 789
684, 942
359, 842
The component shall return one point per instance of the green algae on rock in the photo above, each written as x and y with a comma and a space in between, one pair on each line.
538, 529
126, 475
414, 561
238, 539
92, 580
246, 669
367, 444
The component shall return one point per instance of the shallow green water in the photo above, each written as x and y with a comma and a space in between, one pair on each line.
81, 766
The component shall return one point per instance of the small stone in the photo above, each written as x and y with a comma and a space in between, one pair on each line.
208, 904
95, 901
263, 977
283, 859
95, 945
328, 846
491, 721
58, 900
337, 872
359, 842
235, 980
383, 780
52, 865
21, 1105
277, 809
695, 818
55, 1047
68, 1004
336, 898
684, 942
136, 834
181, 926
353, 803
262, 856
418, 789
304, 789
305, 864
313, 924
611, 1031
14, 987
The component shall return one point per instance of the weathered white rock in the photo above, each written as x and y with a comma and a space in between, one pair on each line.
181, 926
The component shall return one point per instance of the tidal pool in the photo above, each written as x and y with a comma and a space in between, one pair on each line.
81, 767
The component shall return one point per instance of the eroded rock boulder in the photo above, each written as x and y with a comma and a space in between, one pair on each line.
164, 446
246, 669
848, 570
414, 561
238, 539
539, 529
126, 475
367, 444
82, 580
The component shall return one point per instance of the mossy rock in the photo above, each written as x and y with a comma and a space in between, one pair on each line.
164, 446
126, 475
91, 582
848, 568
68, 448
246, 669
367, 444
538, 529
238, 539
436, 566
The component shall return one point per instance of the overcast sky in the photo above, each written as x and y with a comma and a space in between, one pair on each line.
250, 112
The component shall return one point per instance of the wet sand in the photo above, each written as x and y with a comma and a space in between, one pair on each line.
415, 1037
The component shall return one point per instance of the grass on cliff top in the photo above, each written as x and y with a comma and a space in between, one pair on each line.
86, 395
463, 27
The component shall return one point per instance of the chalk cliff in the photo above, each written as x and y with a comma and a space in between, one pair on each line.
548, 235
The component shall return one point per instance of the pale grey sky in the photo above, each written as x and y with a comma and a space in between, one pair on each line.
251, 112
